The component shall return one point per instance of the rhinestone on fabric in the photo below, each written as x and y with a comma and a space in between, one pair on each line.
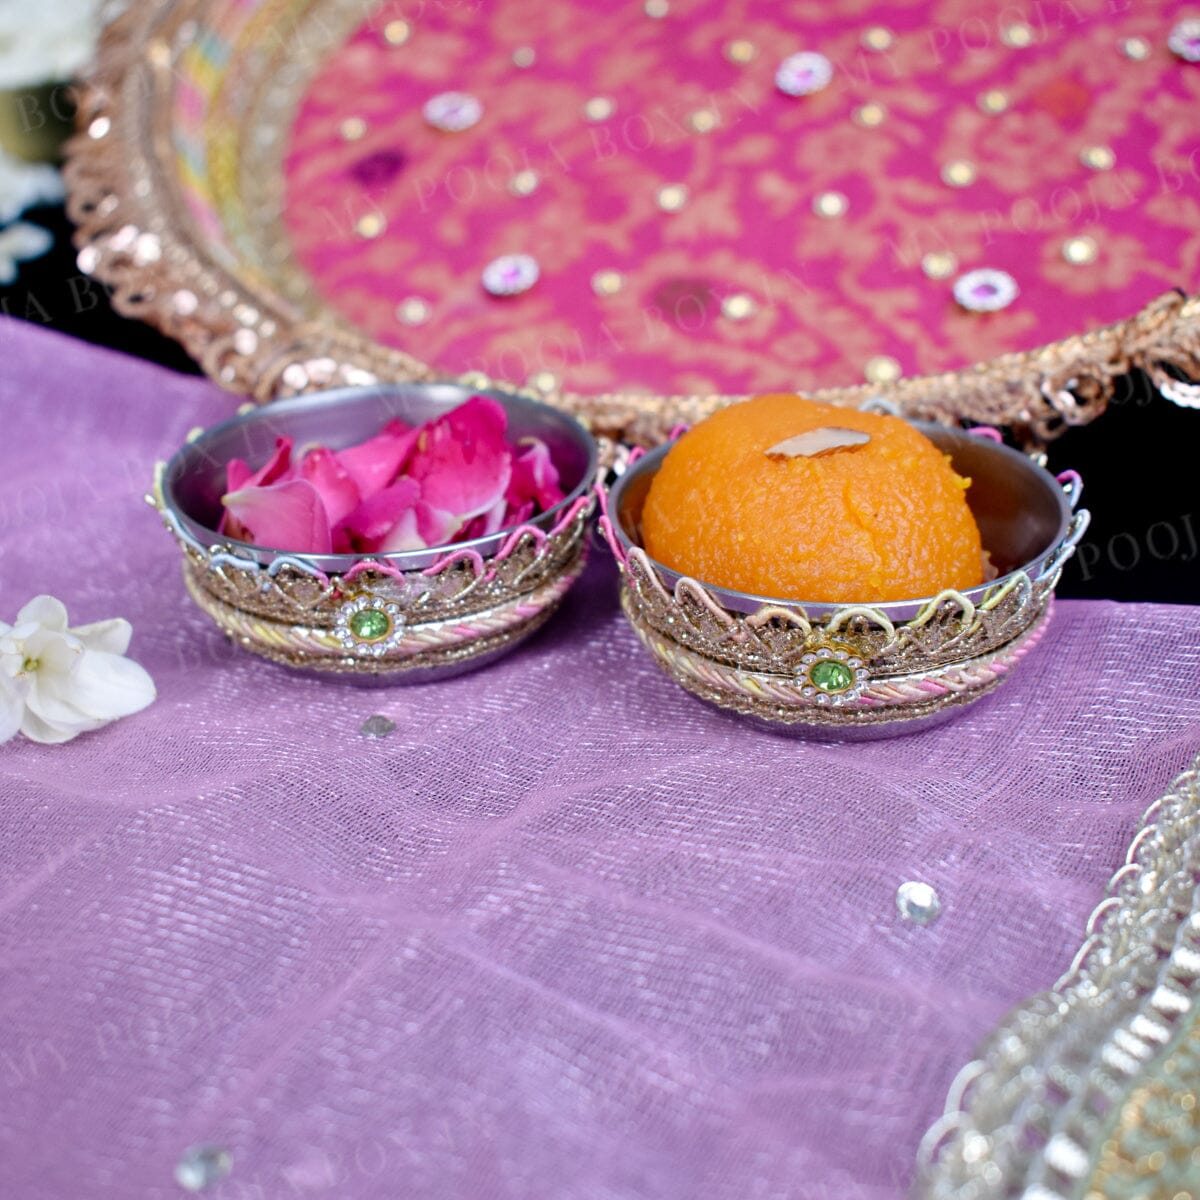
202, 1166
882, 368
830, 204
1185, 40
1098, 158
599, 108
1080, 250
511, 274
738, 307
452, 112
1018, 35
672, 197
412, 311
804, 73
397, 32
985, 290
524, 183
918, 903
959, 173
939, 264
607, 282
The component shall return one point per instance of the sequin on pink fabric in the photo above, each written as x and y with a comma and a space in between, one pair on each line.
564, 935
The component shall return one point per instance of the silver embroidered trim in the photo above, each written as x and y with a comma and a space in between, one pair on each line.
1027, 1118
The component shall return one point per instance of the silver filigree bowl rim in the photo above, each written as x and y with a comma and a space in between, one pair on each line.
193, 479
1025, 516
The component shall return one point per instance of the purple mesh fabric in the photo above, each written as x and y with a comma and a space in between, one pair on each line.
565, 934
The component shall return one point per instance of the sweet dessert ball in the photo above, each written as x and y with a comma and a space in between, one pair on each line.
787, 498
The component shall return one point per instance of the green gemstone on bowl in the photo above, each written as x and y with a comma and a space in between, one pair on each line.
369, 625
831, 676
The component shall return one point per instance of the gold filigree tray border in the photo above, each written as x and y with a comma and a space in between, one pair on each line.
238, 305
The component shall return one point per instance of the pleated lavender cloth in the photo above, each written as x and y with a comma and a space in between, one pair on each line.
565, 935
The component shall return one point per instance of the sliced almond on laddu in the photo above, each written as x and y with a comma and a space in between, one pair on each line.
818, 442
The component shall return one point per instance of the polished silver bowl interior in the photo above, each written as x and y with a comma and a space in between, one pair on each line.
194, 480
1022, 511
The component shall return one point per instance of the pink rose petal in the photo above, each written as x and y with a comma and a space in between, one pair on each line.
367, 528
534, 477
404, 535
238, 474
437, 526
334, 483
462, 461
486, 523
376, 463
283, 516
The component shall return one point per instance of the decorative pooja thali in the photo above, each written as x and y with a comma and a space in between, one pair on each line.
317, 193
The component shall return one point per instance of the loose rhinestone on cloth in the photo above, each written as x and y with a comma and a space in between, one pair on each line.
985, 290
804, 73
202, 1166
377, 726
511, 274
452, 112
918, 903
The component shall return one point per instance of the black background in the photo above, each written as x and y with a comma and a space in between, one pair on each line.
1139, 460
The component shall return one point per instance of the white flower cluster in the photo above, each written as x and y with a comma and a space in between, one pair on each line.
57, 682
47, 42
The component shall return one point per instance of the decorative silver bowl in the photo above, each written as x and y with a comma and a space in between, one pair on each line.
860, 670
393, 618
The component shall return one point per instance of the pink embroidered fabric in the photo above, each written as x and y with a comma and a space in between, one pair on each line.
1055, 141
566, 933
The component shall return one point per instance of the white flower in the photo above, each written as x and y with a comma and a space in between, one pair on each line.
19, 242
22, 185
46, 43
56, 682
